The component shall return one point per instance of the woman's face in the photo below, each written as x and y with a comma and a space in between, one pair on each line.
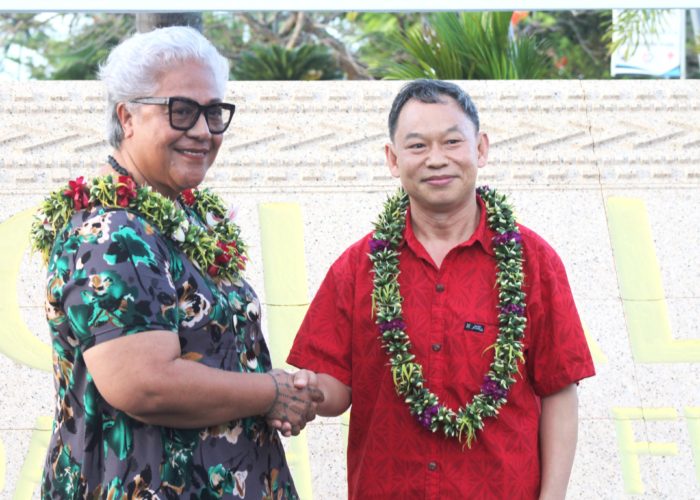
172, 160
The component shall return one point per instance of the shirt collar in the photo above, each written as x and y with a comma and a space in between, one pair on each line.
483, 235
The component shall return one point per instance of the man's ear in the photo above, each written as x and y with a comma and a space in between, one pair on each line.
482, 149
391, 159
126, 119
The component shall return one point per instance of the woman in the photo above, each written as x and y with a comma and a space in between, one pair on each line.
161, 370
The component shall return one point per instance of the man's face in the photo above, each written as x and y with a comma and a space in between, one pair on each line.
436, 153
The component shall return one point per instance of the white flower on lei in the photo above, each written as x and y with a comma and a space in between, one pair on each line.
181, 231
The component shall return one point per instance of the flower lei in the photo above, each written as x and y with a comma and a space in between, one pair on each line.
215, 248
508, 348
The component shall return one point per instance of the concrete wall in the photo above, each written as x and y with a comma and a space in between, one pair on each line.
608, 172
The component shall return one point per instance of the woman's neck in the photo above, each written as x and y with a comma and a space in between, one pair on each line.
124, 162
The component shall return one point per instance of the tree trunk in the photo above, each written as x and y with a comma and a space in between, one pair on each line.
148, 21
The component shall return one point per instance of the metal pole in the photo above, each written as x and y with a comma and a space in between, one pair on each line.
695, 20
683, 62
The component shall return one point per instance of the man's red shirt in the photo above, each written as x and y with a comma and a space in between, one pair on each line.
451, 317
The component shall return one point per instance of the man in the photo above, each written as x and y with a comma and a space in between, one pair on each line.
482, 403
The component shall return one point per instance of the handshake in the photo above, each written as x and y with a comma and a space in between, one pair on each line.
296, 401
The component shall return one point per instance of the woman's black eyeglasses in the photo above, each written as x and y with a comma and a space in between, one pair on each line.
184, 112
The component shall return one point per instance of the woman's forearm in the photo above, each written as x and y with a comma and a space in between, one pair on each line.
145, 376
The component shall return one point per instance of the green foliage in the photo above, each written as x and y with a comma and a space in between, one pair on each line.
546, 44
574, 41
693, 50
306, 62
633, 26
79, 57
226, 31
26, 30
371, 35
73, 57
468, 45
77, 54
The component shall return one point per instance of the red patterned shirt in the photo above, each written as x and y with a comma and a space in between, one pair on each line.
451, 319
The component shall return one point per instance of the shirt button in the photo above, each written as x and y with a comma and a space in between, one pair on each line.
436, 347
432, 466
439, 287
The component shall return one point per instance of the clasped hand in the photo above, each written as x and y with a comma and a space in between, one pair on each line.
296, 399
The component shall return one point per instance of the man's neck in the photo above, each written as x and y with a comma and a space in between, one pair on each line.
440, 232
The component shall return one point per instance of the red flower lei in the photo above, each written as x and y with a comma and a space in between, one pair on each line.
79, 192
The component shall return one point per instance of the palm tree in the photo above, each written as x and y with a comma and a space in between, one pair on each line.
274, 62
468, 45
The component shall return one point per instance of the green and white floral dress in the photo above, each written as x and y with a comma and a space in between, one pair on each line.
112, 274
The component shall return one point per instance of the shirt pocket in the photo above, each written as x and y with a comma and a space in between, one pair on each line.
478, 339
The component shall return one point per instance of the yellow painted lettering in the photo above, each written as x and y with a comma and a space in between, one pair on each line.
630, 449
287, 295
599, 357
32, 468
641, 291
16, 341
20, 345
692, 415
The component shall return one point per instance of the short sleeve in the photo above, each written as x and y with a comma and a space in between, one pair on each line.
324, 341
110, 274
558, 355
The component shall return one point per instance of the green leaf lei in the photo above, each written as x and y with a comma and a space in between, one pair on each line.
213, 244
508, 349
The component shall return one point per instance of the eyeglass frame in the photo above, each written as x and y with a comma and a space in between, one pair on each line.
168, 101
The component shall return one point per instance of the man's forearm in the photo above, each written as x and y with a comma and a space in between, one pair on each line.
558, 436
338, 396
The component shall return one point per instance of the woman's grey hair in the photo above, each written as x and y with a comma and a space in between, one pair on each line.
134, 67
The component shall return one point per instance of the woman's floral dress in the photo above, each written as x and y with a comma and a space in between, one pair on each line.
111, 274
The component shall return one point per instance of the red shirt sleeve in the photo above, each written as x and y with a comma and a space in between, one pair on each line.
324, 341
558, 352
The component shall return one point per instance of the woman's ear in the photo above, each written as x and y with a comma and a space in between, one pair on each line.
126, 119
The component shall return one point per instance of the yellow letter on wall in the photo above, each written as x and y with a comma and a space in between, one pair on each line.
693, 418
32, 469
630, 449
640, 287
287, 296
16, 341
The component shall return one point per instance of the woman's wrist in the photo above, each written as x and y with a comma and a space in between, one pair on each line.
275, 394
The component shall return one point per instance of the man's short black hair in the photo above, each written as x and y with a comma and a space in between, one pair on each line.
431, 92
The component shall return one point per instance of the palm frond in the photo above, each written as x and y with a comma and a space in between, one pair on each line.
467, 45
274, 62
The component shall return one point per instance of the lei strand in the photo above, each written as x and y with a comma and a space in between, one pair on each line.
407, 374
216, 249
